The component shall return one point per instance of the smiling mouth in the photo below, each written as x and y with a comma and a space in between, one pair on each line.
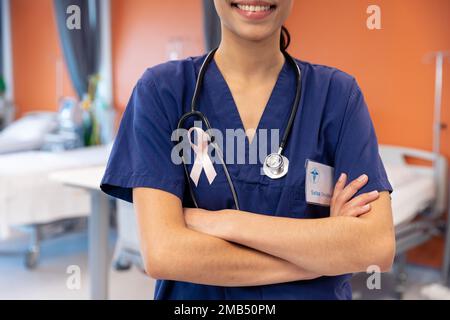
253, 6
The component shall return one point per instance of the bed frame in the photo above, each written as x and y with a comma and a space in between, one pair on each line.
398, 156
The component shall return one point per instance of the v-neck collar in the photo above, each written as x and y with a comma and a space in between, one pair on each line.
233, 108
223, 110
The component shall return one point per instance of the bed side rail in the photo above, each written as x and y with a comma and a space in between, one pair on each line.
397, 155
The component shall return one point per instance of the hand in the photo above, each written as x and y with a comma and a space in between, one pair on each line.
198, 219
341, 205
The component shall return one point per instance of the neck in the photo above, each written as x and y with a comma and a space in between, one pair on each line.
249, 58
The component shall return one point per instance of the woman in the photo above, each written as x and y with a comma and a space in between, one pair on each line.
279, 245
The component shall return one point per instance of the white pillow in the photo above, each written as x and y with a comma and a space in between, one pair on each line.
33, 126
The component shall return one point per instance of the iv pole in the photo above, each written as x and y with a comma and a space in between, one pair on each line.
438, 126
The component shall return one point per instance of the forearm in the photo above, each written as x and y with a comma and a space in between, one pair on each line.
329, 246
194, 257
359, 233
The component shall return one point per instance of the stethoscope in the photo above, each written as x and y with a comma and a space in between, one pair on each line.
276, 165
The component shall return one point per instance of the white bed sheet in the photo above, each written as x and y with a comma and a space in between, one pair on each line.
28, 196
413, 190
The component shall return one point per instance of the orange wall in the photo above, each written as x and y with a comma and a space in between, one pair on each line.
141, 32
388, 64
35, 54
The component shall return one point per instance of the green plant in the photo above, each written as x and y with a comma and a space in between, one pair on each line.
2, 85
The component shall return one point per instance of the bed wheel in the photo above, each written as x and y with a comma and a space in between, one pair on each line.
400, 287
401, 277
122, 264
31, 259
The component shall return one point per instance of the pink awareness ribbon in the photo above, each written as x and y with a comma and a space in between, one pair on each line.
202, 160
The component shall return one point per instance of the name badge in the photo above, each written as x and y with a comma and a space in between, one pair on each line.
318, 183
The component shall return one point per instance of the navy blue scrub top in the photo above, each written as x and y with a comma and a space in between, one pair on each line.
332, 126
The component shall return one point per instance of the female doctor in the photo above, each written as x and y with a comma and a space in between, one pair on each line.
279, 244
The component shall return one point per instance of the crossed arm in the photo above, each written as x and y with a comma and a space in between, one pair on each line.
204, 247
173, 251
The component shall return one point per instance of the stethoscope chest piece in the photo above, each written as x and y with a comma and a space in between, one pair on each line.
276, 166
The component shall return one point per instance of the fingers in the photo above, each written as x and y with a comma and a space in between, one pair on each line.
342, 203
351, 189
355, 211
359, 205
339, 186
364, 199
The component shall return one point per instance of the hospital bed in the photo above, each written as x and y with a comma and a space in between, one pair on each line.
30, 201
420, 193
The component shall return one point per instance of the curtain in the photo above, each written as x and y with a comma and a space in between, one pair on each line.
81, 47
211, 25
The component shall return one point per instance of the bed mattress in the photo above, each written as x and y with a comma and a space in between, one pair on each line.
414, 190
28, 196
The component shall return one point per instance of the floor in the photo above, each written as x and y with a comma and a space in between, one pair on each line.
418, 278
49, 280
430, 253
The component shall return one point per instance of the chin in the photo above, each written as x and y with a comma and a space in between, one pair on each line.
255, 33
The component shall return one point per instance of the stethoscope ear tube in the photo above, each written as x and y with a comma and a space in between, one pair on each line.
298, 95
199, 82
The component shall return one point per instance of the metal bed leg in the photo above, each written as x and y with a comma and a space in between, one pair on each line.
120, 261
446, 264
33, 251
98, 245
401, 276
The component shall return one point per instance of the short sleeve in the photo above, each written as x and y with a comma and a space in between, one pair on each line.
357, 150
141, 154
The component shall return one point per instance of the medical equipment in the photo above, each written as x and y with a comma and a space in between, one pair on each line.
415, 190
439, 59
275, 165
418, 201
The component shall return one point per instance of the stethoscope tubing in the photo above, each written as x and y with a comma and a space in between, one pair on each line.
195, 113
